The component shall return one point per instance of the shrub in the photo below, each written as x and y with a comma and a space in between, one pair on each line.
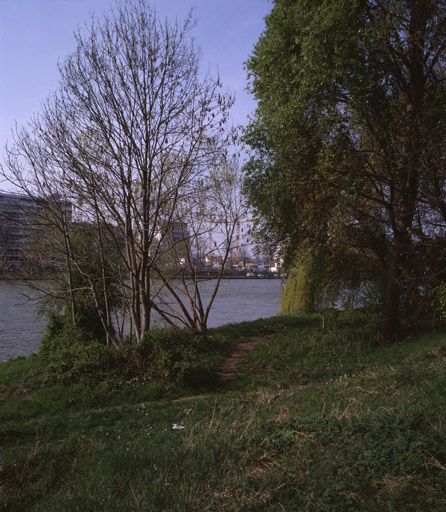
176, 353
68, 354
170, 355
65, 356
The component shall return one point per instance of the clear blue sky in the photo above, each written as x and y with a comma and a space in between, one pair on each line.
34, 34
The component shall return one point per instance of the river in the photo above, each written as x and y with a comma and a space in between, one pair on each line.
238, 300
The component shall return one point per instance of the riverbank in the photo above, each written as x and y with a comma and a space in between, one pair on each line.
311, 420
22, 328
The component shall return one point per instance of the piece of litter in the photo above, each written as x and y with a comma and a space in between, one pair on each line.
177, 426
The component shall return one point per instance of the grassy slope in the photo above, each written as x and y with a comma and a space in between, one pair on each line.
317, 420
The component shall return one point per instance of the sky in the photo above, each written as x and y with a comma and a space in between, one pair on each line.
35, 34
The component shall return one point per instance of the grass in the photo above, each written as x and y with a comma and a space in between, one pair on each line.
317, 420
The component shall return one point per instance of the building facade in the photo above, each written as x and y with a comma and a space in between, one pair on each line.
20, 217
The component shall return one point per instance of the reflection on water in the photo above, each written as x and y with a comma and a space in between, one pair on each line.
21, 327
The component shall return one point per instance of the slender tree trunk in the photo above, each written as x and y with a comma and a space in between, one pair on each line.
68, 261
146, 305
391, 306
107, 319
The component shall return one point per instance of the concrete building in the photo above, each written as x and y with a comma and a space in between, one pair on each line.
20, 216
175, 245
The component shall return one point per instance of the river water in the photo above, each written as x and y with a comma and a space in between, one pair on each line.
21, 326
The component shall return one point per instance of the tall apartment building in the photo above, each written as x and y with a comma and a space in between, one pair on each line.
19, 216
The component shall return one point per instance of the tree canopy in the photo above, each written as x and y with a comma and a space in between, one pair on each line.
348, 141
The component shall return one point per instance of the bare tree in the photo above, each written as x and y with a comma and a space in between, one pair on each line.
127, 139
206, 234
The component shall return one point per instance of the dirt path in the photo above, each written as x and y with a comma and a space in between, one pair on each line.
228, 369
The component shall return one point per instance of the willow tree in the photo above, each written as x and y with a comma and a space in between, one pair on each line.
134, 124
347, 140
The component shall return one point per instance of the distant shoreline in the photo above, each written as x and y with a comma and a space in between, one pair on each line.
203, 277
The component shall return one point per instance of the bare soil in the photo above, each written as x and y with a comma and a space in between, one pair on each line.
228, 369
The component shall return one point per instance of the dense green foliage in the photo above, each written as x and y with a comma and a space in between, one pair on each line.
299, 291
170, 356
84, 296
347, 143
318, 419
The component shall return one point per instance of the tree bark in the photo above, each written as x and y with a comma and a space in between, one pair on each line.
391, 301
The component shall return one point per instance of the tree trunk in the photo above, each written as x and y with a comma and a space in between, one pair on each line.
391, 306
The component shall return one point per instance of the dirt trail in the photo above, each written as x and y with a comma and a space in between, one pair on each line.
228, 369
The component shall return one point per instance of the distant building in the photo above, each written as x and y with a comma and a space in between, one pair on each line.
175, 243
20, 216
178, 237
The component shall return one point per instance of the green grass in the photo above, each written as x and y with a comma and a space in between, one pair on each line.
318, 420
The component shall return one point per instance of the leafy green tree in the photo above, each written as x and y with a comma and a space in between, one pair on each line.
346, 140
